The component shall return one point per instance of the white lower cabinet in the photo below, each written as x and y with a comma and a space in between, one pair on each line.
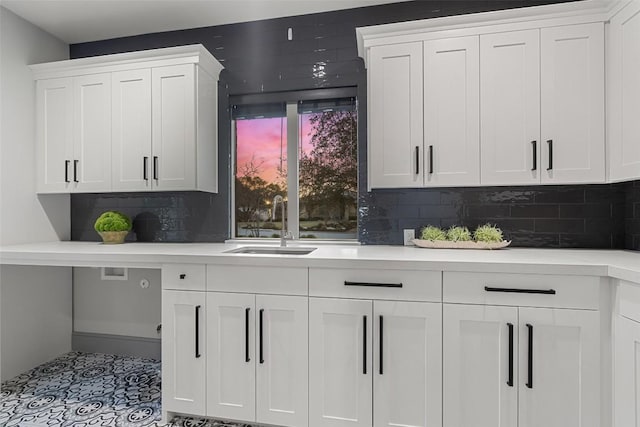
479, 368
257, 353
562, 386
626, 390
626, 355
231, 368
381, 353
183, 357
520, 366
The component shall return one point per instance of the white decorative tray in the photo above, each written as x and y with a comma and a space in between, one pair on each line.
443, 244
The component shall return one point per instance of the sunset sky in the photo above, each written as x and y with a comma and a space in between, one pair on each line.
262, 139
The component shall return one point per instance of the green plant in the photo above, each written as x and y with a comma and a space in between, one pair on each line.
458, 234
488, 233
432, 233
112, 221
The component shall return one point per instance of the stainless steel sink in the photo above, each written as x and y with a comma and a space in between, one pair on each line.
271, 250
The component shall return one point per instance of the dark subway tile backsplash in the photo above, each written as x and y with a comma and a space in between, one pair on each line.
572, 216
157, 217
258, 58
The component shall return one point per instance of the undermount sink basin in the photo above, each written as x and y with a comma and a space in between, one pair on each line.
270, 250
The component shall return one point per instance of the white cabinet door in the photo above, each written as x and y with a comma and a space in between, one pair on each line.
282, 363
131, 124
626, 393
480, 366
54, 135
395, 116
340, 385
572, 93
623, 89
407, 364
231, 369
510, 108
174, 127
452, 111
559, 379
92, 132
183, 352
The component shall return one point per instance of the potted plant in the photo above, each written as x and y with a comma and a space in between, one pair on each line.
112, 226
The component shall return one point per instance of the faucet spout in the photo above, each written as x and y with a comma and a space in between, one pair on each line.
283, 232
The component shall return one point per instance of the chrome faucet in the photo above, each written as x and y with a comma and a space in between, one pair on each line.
284, 234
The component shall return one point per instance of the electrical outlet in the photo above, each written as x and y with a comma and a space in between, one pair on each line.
409, 235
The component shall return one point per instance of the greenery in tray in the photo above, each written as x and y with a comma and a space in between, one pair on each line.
488, 234
112, 221
433, 233
458, 234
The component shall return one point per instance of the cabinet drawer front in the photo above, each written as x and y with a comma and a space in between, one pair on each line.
189, 277
629, 300
260, 280
376, 284
527, 290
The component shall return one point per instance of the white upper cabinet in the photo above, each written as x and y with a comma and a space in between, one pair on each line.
137, 121
510, 107
173, 129
572, 85
508, 98
623, 89
74, 134
92, 132
451, 112
54, 134
131, 137
395, 116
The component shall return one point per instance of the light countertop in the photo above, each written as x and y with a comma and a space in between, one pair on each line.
619, 264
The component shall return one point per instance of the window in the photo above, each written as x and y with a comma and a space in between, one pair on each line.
304, 150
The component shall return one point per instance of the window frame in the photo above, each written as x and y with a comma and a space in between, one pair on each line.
291, 100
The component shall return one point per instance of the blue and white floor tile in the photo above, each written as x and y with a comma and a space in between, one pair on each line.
89, 390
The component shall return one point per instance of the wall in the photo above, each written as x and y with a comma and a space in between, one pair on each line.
632, 216
258, 58
35, 303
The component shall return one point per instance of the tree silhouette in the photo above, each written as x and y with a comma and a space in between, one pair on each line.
329, 172
253, 194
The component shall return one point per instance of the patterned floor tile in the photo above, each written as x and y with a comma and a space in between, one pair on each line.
90, 390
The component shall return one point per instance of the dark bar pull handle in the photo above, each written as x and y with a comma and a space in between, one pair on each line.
75, 171
246, 335
364, 345
431, 159
197, 331
550, 144
530, 358
373, 285
521, 291
66, 171
155, 168
510, 380
381, 370
417, 160
534, 146
261, 339
145, 167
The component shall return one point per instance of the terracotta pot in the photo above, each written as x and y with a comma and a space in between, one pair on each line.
113, 237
